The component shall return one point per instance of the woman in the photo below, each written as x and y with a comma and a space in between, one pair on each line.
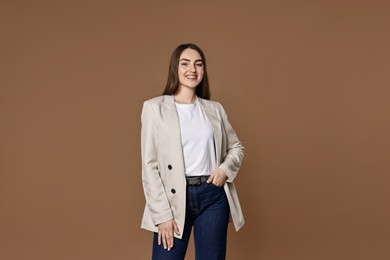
190, 157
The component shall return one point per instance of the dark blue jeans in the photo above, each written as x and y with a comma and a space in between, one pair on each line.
207, 210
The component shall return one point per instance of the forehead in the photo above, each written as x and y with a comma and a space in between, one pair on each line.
190, 54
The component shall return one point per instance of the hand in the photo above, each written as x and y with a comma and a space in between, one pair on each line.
165, 233
217, 177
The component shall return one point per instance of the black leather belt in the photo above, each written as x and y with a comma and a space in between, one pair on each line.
196, 180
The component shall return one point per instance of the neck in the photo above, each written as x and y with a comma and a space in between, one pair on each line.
185, 96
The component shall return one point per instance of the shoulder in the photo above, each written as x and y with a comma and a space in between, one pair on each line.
157, 102
151, 106
154, 101
211, 104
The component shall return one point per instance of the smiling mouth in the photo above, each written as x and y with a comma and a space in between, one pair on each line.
192, 77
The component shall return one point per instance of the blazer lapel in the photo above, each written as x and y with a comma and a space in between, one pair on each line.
171, 126
170, 116
212, 115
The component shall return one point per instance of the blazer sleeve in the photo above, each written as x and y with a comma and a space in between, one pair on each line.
234, 148
156, 198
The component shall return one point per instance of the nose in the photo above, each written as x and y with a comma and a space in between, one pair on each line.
193, 68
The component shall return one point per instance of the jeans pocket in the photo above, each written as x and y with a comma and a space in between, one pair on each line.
215, 186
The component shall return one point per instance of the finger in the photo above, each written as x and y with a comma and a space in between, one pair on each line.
159, 238
215, 179
164, 240
170, 240
218, 182
211, 178
220, 179
176, 228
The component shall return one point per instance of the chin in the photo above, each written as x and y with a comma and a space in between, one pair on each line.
192, 86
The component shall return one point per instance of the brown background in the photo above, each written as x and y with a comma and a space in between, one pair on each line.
305, 84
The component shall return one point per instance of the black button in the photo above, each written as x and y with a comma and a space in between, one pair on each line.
169, 167
173, 191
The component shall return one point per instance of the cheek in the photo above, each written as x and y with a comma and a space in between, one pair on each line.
180, 73
201, 73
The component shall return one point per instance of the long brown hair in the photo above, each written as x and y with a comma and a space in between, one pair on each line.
202, 90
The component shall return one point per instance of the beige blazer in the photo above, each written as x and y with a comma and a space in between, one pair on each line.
163, 174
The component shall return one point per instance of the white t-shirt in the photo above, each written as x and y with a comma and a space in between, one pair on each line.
197, 139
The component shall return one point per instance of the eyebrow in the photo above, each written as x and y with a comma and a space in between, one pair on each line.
190, 60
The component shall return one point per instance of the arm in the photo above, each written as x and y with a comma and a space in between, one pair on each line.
234, 149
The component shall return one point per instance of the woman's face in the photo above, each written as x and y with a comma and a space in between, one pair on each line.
190, 69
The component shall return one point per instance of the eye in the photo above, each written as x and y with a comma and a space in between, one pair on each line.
199, 64
184, 64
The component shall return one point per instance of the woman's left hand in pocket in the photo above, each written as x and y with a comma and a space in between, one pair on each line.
217, 177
